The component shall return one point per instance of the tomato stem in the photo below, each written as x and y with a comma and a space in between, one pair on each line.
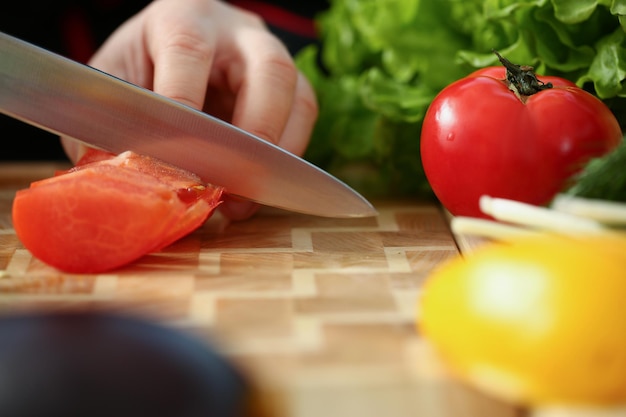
521, 79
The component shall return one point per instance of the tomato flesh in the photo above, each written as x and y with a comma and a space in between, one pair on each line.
109, 211
479, 138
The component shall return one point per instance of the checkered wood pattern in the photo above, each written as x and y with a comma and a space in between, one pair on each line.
321, 313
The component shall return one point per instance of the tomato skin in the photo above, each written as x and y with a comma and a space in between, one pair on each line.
479, 138
109, 211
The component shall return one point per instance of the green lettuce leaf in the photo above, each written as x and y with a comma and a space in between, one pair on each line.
607, 70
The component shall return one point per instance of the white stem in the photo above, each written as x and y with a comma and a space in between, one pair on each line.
572, 411
461, 225
538, 217
608, 212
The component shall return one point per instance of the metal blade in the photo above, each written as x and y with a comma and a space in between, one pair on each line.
74, 100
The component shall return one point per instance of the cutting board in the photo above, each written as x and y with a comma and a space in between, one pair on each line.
320, 313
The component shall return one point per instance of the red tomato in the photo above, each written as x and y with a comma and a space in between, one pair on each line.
109, 211
479, 138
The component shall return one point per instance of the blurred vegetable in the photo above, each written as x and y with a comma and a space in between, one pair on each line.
70, 363
537, 321
381, 63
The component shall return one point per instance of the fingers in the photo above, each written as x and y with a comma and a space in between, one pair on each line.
265, 85
123, 54
301, 119
182, 47
237, 209
72, 148
272, 99
294, 138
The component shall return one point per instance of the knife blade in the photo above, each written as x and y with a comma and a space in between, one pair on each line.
77, 101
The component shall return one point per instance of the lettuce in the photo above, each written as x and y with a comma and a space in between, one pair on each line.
380, 63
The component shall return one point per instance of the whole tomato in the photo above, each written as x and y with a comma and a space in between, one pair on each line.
503, 132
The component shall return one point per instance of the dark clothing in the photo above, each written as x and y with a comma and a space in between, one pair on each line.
76, 28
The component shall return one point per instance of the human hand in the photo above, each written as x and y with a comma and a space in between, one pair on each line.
219, 59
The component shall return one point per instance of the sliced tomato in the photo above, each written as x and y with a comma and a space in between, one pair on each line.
109, 211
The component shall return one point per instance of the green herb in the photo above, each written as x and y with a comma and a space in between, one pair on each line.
381, 63
603, 178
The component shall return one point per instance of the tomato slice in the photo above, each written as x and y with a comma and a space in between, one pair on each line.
109, 211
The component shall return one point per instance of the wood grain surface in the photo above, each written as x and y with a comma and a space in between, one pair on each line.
320, 313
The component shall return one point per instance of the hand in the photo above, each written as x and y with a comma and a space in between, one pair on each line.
217, 58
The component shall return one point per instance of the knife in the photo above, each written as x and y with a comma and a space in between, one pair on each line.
74, 100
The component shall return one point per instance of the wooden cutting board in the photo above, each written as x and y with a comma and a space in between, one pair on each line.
320, 313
